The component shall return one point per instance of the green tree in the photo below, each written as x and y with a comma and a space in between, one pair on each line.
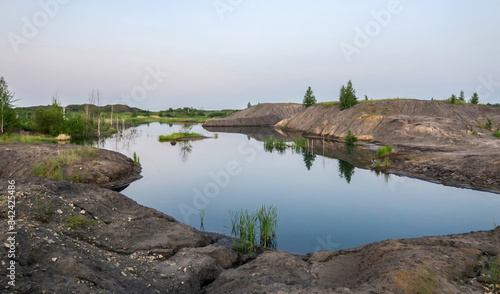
49, 121
475, 98
462, 96
309, 98
7, 114
453, 98
249, 105
346, 170
347, 96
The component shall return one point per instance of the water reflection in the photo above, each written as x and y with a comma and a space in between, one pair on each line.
309, 158
185, 149
346, 170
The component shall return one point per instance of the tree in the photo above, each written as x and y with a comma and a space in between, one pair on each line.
453, 98
49, 121
309, 98
462, 96
7, 114
347, 96
475, 98
249, 105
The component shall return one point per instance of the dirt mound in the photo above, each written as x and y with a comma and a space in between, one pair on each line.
404, 122
265, 114
95, 166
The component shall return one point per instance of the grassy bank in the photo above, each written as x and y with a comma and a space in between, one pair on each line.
5, 139
179, 136
52, 167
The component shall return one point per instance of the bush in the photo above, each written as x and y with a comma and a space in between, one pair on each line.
350, 139
497, 133
384, 151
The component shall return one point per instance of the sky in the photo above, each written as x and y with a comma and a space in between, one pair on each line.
215, 54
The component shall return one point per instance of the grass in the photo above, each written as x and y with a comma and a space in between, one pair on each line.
43, 212
52, 167
137, 161
496, 134
5, 139
492, 273
474, 133
178, 136
76, 222
384, 151
487, 125
268, 221
387, 162
245, 225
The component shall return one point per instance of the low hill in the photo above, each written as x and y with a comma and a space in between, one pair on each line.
410, 122
265, 114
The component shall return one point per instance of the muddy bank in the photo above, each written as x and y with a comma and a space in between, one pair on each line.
78, 238
265, 114
95, 166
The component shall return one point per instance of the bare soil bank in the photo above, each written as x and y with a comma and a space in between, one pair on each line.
434, 140
99, 241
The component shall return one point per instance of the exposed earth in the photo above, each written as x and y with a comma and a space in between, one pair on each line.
433, 140
83, 238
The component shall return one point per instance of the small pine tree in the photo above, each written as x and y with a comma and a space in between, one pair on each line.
462, 96
249, 105
309, 98
347, 96
366, 98
475, 98
453, 99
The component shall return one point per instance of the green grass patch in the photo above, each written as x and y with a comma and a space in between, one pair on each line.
52, 167
137, 160
245, 225
28, 139
178, 136
474, 133
488, 125
496, 134
76, 222
384, 151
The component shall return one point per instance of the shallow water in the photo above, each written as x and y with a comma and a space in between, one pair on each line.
329, 206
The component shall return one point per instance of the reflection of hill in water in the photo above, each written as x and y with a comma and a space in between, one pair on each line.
258, 133
359, 157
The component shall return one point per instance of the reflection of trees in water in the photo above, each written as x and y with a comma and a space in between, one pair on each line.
185, 149
346, 170
308, 158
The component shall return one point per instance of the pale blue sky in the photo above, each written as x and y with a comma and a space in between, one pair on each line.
255, 51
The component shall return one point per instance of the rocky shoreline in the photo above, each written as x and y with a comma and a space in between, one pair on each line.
83, 238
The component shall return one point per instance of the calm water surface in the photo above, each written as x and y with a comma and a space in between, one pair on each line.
318, 208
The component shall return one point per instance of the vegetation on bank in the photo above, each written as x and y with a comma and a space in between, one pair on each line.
384, 151
179, 136
52, 167
5, 139
252, 227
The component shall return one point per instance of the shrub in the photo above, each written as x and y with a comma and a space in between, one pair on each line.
475, 98
350, 139
384, 151
43, 212
497, 133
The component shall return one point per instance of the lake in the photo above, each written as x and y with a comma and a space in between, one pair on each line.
323, 203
